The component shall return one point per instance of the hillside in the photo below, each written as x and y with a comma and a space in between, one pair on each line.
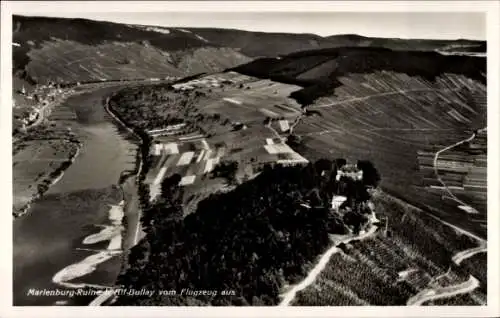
70, 50
318, 70
247, 242
79, 50
263, 44
397, 109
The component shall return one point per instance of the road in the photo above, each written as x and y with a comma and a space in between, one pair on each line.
400, 91
289, 296
443, 292
463, 255
438, 177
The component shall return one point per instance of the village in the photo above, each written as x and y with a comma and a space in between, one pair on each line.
30, 106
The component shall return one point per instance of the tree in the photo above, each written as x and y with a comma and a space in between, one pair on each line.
371, 177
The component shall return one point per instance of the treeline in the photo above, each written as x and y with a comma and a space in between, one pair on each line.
428, 65
251, 240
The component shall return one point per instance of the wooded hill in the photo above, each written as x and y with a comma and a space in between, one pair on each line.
251, 240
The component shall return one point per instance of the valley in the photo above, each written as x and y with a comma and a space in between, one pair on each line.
283, 169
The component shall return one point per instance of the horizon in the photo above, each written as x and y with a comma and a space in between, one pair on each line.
401, 25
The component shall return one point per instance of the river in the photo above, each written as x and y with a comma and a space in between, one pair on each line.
50, 236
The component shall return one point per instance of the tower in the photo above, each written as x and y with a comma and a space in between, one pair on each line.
386, 226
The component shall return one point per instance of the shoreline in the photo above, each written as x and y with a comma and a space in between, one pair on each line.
89, 264
108, 295
25, 210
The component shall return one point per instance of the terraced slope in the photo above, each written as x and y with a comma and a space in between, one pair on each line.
390, 118
398, 109
318, 70
71, 50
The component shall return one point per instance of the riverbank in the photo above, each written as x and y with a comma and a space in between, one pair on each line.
131, 221
130, 187
51, 237
52, 181
111, 233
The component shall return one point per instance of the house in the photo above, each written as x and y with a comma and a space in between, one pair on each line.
284, 125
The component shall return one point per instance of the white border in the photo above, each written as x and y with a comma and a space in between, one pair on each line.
39, 7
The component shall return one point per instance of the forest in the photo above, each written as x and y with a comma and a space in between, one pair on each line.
157, 106
251, 240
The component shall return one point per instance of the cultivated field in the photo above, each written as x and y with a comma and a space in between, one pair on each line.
244, 99
195, 156
210, 121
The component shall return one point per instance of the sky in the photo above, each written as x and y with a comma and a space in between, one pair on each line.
419, 25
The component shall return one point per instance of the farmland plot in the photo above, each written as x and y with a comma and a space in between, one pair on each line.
245, 99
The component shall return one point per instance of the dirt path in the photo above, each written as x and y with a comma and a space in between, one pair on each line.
304, 109
463, 255
429, 294
438, 177
357, 99
289, 296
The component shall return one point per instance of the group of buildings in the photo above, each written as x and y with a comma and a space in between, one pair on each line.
33, 104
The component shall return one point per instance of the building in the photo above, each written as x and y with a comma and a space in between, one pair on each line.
350, 171
337, 201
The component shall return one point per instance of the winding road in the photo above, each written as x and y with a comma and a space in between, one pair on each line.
289, 296
438, 177
396, 92
429, 294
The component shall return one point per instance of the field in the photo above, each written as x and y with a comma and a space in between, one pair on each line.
36, 166
244, 99
389, 118
220, 118
195, 157
426, 139
391, 267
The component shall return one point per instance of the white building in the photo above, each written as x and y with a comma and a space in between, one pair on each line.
350, 173
337, 201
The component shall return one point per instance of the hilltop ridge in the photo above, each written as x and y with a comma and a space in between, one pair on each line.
68, 50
